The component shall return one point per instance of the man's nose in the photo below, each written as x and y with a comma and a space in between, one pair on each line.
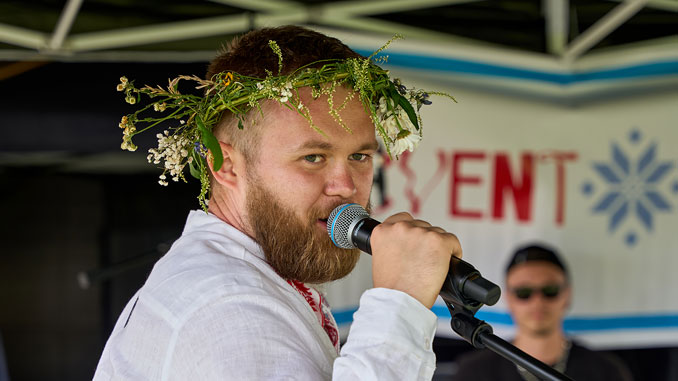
340, 181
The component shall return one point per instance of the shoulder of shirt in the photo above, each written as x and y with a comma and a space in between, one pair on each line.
204, 266
483, 364
481, 356
604, 360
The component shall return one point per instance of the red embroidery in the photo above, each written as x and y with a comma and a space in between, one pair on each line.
321, 309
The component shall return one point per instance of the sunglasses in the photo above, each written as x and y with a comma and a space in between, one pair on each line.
550, 291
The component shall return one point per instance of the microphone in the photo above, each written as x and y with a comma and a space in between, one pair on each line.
350, 227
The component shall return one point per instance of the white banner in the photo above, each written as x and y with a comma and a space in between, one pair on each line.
597, 180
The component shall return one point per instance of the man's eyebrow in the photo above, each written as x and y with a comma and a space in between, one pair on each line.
326, 146
372, 146
315, 144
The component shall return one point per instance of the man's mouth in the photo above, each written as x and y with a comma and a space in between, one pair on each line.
323, 222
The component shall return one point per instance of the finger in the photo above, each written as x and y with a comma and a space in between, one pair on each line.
421, 223
398, 217
413, 223
407, 218
447, 242
456, 246
437, 229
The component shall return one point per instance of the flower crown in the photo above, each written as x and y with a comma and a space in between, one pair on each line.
393, 109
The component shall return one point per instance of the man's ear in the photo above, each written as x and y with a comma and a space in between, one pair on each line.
231, 169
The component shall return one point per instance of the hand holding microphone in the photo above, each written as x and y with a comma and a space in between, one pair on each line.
411, 256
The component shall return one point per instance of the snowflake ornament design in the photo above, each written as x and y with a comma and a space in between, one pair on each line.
632, 187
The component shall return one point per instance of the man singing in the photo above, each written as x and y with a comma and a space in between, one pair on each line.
284, 133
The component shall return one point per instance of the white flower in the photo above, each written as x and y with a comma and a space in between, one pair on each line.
405, 121
124, 122
383, 107
122, 85
391, 127
407, 142
172, 149
285, 93
128, 145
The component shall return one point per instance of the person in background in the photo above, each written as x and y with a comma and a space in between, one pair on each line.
538, 294
236, 296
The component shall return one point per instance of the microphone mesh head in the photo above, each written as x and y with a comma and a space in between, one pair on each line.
341, 221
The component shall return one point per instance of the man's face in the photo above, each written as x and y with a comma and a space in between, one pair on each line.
542, 312
299, 177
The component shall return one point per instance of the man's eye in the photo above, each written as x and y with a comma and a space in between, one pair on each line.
313, 158
359, 156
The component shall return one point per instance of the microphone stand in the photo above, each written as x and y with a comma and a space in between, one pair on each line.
478, 333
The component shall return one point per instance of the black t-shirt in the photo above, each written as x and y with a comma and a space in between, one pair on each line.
582, 365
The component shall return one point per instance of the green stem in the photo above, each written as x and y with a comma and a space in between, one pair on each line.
170, 116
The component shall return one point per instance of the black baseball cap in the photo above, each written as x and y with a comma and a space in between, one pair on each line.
536, 252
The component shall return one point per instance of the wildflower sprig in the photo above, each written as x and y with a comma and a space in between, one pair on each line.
392, 107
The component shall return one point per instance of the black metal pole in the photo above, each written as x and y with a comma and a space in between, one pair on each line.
515, 355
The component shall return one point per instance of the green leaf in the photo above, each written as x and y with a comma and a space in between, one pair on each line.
407, 106
394, 94
195, 172
211, 143
404, 103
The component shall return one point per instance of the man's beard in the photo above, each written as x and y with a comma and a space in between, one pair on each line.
294, 247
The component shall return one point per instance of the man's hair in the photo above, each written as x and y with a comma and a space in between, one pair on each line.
251, 55
536, 252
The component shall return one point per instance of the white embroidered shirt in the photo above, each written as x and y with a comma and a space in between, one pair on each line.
213, 309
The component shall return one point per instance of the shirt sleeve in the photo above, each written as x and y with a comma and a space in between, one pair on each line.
391, 338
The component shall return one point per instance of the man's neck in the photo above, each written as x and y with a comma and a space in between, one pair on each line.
548, 348
225, 212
